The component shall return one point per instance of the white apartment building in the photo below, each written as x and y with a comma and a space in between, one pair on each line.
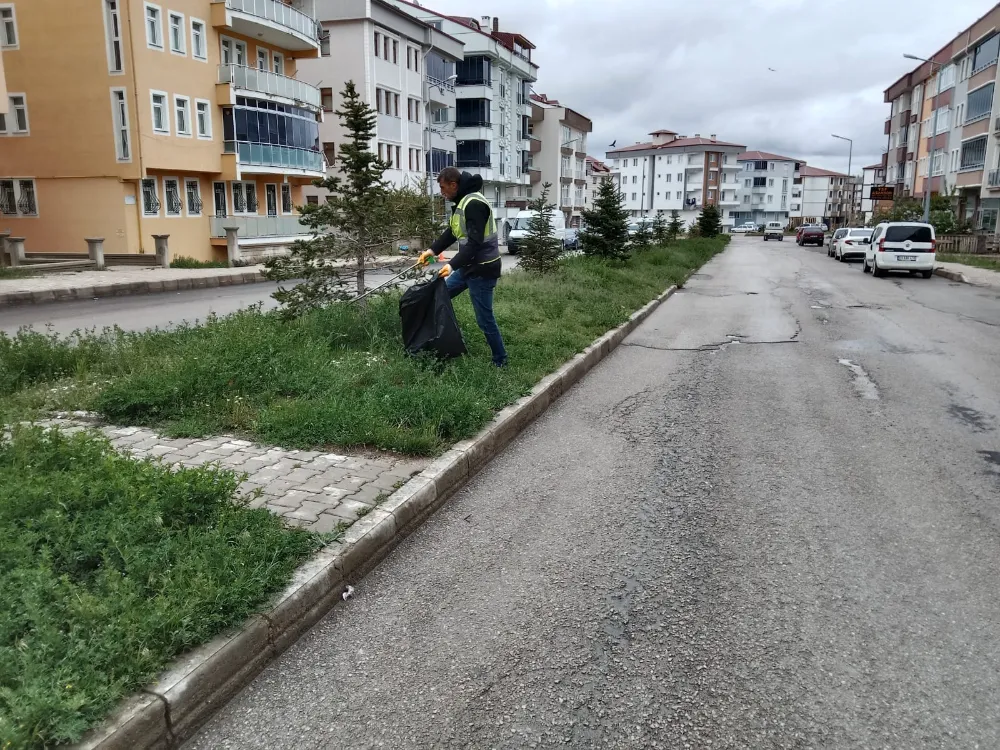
560, 155
597, 172
769, 188
403, 68
492, 107
677, 173
826, 197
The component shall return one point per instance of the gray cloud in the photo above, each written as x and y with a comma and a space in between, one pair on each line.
701, 66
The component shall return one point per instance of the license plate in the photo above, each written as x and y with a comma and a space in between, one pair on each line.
906, 257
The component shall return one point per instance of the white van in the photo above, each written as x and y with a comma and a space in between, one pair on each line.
774, 230
519, 229
901, 246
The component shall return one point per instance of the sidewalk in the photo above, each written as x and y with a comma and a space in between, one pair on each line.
120, 280
967, 274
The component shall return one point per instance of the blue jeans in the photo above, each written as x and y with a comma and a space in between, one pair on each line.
481, 293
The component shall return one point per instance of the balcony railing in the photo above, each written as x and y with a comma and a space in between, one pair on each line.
446, 85
279, 157
472, 163
258, 226
279, 13
266, 82
460, 123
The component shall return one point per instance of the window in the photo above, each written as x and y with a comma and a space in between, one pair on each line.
973, 153
386, 47
113, 30
670, 159
198, 45
747, 183
244, 197
668, 178
954, 160
18, 114
378, 43
770, 182
119, 116
413, 110
278, 63
979, 103
770, 199
154, 28
416, 61
161, 123
784, 185
203, 116
395, 51
746, 198
262, 59
635, 179
219, 197
286, 199
182, 114
233, 52
947, 74
192, 191
176, 21
312, 200
324, 43
17, 198
633, 194
943, 119
409, 58
937, 164
150, 200
330, 153
985, 54
326, 97
395, 105
172, 196
770, 165
680, 177
8, 27
713, 159
635, 162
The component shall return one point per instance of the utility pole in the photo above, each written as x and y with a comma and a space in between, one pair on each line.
850, 155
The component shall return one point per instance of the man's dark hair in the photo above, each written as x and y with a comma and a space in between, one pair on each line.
450, 174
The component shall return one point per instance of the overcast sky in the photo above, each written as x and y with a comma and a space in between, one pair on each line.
701, 66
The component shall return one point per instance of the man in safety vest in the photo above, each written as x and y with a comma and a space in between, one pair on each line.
476, 266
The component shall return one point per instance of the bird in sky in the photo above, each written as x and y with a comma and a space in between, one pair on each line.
613, 143
772, 70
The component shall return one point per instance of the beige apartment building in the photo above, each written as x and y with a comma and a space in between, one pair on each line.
959, 155
560, 156
175, 117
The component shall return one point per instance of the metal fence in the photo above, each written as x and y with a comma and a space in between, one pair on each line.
279, 13
266, 82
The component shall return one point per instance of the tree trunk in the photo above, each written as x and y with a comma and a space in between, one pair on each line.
361, 278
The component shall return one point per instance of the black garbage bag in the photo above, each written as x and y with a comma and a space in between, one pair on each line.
429, 323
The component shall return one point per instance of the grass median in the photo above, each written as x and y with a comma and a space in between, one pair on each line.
337, 377
111, 567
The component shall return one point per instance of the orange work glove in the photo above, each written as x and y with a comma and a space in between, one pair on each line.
425, 257
445, 271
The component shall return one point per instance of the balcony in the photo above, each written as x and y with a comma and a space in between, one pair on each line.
473, 130
267, 84
260, 158
441, 93
270, 21
258, 227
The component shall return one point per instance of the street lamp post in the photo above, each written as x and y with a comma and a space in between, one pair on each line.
930, 161
850, 156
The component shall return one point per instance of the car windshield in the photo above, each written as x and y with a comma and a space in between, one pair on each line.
521, 222
861, 233
911, 232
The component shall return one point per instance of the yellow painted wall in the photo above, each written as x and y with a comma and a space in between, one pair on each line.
3, 88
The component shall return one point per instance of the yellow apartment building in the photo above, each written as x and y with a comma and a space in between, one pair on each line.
127, 119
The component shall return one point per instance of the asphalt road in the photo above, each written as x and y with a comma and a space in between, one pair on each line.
770, 520
154, 310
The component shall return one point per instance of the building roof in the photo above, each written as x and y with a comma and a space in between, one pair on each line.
817, 172
764, 156
874, 166
597, 165
676, 143
664, 132
543, 99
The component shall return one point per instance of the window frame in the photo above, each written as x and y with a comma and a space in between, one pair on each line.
156, 196
207, 136
166, 130
203, 57
119, 110
167, 213
267, 59
243, 189
286, 188
150, 43
11, 116
181, 33
109, 38
185, 198
13, 22
18, 196
322, 97
178, 98
277, 199
278, 60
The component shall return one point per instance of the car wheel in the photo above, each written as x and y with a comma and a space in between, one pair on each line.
927, 274
876, 271
864, 264
842, 258
781, 239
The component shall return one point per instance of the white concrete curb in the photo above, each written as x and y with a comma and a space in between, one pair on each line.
173, 708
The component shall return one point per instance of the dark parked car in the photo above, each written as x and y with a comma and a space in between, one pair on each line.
811, 236
572, 239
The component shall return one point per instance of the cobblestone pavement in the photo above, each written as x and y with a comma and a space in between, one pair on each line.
312, 489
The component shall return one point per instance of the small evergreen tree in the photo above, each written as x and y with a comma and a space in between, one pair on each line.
539, 252
675, 229
710, 221
606, 224
361, 217
659, 229
643, 238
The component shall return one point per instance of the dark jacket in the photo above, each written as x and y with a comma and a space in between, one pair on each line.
477, 214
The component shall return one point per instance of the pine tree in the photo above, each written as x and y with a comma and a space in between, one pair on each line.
606, 225
710, 221
659, 229
361, 218
675, 229
642, 240
539, 252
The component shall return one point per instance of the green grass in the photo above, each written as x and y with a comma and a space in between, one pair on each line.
992, 262
185, 262
13, 273
337, 377
111, 567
